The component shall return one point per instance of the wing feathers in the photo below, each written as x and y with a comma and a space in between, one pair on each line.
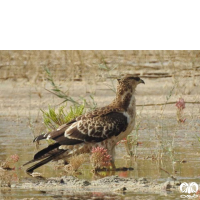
94, 126
54, 134
97, 128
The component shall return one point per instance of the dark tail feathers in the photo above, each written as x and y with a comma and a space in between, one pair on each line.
39, 164
46, 154
48, 151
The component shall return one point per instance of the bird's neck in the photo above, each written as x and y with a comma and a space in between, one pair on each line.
124, 98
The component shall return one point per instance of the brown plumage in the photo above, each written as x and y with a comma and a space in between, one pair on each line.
102, 127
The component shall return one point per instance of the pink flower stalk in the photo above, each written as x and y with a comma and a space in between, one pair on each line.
180, 104
14, 158
182, 120
100, 157
122, 141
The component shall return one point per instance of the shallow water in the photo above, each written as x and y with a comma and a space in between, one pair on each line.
20, 194
16, 138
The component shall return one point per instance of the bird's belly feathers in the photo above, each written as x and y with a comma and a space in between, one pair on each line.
130, 114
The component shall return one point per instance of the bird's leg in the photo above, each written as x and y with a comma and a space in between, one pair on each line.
113, 165
112, 161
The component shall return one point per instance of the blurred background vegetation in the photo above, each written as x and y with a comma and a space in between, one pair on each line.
78, 65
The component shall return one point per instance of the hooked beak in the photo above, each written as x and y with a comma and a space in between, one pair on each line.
141, 81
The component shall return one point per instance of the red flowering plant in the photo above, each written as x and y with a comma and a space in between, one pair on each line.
100, 157
9, 162
180, 104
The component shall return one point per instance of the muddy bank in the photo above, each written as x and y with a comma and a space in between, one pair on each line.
112, 184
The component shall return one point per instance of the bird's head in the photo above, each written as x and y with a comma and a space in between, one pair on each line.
126, 90
130, 81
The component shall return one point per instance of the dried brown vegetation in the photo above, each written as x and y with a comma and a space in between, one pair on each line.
75, 162
80, 65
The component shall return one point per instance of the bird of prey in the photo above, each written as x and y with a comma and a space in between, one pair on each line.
102, 127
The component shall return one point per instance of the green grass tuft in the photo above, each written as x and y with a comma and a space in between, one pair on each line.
53, 119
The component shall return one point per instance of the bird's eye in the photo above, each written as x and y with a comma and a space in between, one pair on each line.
135, 78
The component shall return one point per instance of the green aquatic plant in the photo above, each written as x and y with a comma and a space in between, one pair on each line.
53, 119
